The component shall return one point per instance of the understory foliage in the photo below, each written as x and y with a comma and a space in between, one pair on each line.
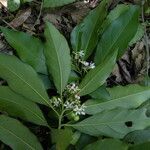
62, 87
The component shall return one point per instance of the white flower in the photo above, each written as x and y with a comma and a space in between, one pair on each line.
73, 88
85, 63
56, 101
86, 1
76, 56
79, 110
92, 65
81, 53
77, 97
68, 105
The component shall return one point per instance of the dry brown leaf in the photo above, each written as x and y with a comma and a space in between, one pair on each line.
21, 17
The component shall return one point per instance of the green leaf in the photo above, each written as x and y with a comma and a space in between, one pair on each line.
18, 106
97, 76
62, 138
16, 135
56, 3
139, 34
13, 5
101, 93
107, 144
46, 81
28, 48
22, 79
85, 36
130, 96
73, 77
115, 123
57, 55
138, 137
114, 14
118, 34
84, 140
143, 146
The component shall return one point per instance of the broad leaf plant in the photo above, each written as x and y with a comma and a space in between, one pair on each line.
61, 85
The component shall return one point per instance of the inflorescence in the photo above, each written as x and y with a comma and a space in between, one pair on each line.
78, 57
72, 100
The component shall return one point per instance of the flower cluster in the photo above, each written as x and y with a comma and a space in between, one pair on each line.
73, 101
78, 56
77, 108
56, 101
70, 100
88, 65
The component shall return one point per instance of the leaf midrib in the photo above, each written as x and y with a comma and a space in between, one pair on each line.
116, 99
59, 64
102, 123
29, 53
27, 108
10, 132
124, 27
97, 72
28, 85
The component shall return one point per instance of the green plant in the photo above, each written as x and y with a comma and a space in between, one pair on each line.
65, 92
14, 5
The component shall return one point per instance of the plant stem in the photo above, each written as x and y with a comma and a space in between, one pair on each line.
60, 119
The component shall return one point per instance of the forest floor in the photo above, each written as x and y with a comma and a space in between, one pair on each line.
30, 17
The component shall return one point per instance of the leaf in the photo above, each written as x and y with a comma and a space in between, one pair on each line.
62, 138
56, 3
138, 137
22, 79
84, 140
121, 29
46, 81
101, 93
13, 5
28, 48
143, 146
115, 123
18, 106
97, 76
139, 34
85, 36
16, 135
57, 55
73, 77
114, 14
107, 144
130, 96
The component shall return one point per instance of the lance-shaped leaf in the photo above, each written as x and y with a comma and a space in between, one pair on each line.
22, 79
28, 48
56, 3
16, 135
118, 34
107, 144
130, 96
114, 123
97, 76
85, 36
61, 138
18, 106
114, 14
57, 57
